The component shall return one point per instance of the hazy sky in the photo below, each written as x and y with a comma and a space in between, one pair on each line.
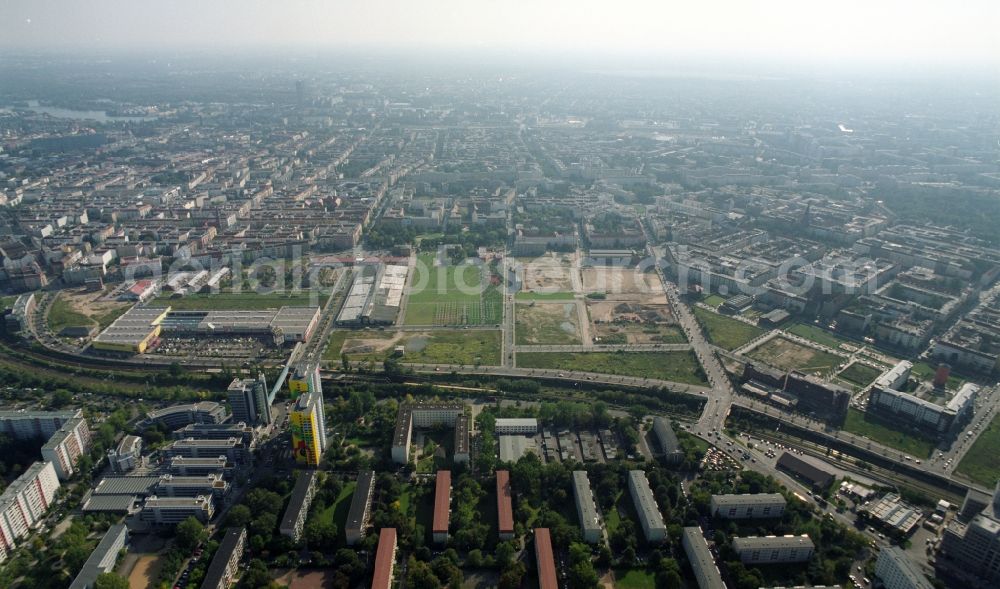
821, 31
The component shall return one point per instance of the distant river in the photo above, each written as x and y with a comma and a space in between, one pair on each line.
89, 115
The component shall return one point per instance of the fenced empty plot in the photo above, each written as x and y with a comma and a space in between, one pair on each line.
616, 280
548, 273
788, 355
548, 323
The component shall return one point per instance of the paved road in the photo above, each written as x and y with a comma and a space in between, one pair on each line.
721, 397
321, 335
571, 376
602, 348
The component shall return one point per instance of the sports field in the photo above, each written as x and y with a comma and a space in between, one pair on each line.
452, 295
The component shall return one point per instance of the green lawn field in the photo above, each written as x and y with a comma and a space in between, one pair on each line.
878, 431
982, 462
673, 366
725, 332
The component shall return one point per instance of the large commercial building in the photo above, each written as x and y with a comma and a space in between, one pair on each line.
307, 423
248, 401
361, 505
970, 549
24, 503
375, 296
103, 558
586, 509
294, 520
170, 511
170, 485
226, 562
505, 509
385, 559
545, 559
133, 332
200, 466
896, 571
218, 431
126, 455
277, 326
232, 448
426, 416
774, 549
669, 445
748, 506
442, 506
178, 416
645, 506
706, 572
892, 513
806, 470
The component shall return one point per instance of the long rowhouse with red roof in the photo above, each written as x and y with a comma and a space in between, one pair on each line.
442, 506
546, 561
505, 512
385, 559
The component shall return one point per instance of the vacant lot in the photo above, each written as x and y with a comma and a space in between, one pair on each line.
877, 430
725, 332
457, 346
982, 462
547, 323
673, 366
474, 346
238, 301
787, 355
622, 322
62, 315
548, 273
620, 281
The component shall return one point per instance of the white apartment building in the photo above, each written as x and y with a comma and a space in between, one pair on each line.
774, 549
645, 506
748, 506
516, 426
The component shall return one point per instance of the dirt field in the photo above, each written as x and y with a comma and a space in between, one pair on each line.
548, 273
147, 569
620, 282
624, 311
371, 345
306, 579
547, 323
788, 355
